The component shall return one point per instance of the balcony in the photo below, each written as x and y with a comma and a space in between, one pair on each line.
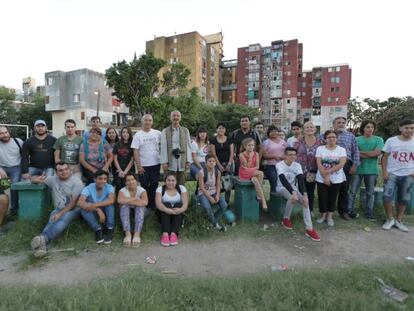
230, 87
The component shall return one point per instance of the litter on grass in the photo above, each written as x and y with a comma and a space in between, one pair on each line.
151, 259
392, 292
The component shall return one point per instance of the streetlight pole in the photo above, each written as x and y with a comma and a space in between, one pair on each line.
98, 93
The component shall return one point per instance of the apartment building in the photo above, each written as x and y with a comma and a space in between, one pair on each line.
229, 81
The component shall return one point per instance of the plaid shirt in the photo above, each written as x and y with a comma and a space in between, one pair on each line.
347, 140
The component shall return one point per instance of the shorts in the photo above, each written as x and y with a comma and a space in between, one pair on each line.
400, 186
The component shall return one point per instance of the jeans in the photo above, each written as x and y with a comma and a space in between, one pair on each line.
92, 218
403, 185
194, 169
54, 228
271, 174
15, 174
39, 171
214, 217
370, 181
149, 181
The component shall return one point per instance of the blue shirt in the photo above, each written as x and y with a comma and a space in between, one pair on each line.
92, 196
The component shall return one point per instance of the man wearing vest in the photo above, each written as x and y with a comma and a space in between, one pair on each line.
176, 148
10, 159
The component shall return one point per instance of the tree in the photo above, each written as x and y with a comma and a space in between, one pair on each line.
175, 79
29, 113
7, 112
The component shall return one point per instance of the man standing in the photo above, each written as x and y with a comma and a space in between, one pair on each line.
238, 136
97, 203
10, 160
95, 123
259, 127
348, 141
296, 128
398, 173
37, 155
67, 148
176, 148
66, 190
146, 145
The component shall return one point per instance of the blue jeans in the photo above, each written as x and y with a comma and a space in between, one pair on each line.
214, 217
39, 171
92, 218
271, 174
194, 169
400, 186
54, 228
15, 174
370, 181
149, 181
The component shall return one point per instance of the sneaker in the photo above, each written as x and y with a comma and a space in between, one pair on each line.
287, 224
331, 222
220, 227
345, 216
388, 224
99, 236
39, 247
353, 215
401, 226
165, 240
320, 220
313, 235
173, 239
108, 236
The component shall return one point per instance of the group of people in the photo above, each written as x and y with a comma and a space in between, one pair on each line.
78, 170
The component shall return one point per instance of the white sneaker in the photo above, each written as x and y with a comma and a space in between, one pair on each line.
330, 222
388, 224
320, 220
401, 226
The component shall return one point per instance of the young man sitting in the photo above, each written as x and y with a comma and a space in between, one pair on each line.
66, 189
97, 203
291, 186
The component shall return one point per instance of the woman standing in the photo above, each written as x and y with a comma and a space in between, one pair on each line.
123, 158
273, 152
306, 152
134, 197
94, 154
330, 176
172, 201
199, 150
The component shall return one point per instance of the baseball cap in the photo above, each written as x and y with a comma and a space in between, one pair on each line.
40, 122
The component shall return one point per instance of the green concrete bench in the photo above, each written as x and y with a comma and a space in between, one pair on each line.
277, 205
245, 200
32, 199
378, 200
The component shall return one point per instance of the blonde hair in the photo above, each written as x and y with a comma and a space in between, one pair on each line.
245, 142
308, 123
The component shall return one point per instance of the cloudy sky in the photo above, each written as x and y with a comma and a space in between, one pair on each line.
375, 38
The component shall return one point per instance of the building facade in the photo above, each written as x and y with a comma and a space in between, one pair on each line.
200, 54
229, 81
29, 89
80, 95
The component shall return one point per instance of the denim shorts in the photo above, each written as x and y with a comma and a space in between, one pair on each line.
400, 187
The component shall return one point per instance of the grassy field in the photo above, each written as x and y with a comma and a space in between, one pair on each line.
354, 288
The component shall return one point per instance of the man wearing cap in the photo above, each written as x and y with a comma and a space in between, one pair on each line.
37, 154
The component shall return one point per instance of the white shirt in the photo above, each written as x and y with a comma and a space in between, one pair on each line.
148, 144
400, 156
329, 159
10, 153
200, 152
291, 141
127, 194
171, 199
290, 172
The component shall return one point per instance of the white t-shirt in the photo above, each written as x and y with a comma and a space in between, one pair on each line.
330, 158
400, 156
200, 152
171, 199
10, 153
148, 144
290, 172
291, 141
127, 194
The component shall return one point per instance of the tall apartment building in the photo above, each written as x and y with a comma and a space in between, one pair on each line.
229, 81
200, 54
29, 89
80, 95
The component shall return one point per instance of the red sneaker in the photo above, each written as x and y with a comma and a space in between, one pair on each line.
313, 235
173, 239
165, 240
287, 224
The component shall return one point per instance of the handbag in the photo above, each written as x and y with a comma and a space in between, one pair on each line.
5, 183
226, 183
310, 177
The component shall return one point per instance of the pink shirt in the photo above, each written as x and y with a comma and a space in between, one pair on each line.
274, 149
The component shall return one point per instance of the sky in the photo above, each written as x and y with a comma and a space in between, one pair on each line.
373, 37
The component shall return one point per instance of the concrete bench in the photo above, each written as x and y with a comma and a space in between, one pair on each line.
32, 199
378, 200
245, 200
277, 205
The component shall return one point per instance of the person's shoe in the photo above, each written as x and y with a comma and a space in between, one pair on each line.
173, 239
39, 247
345, 216
388, 224
136, 241
313, 235
370, 218
353, 215
165, 240
108, 236
330, 222
320, 220
220, 227
99, 237
401, 226
287, 224
127, 241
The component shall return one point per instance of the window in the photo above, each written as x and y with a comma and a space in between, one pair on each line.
303, 84
329, 99
303, 93
338, 69
288, 73
337, 89
330, 69
290, 110
175, 40
335, 79
76, 98
82, 115
299, 93
338, 109
288, 101
337, 99
47, 99
49, 81
287, 92
332, 89
304, 75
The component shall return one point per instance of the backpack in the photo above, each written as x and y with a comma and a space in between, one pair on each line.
18, 145
164, 188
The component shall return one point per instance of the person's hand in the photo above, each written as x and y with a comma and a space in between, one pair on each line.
294, 197
141, 170
178, 210
324, 172
57, 216
327, 180
105, 168
306, 200
26, 176
352, 170
220, 167
187, 165
212, 200
90, 207
165, 167
385, 175
101, 215
3, 174
121, 174
217, 197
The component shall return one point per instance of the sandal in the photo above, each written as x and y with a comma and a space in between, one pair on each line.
136, 241
127, 241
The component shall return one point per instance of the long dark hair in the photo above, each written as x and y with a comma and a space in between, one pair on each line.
130, 136
201, 130
116, 135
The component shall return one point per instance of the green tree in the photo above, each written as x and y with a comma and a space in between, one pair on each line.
175, 79
7, 112
29, 113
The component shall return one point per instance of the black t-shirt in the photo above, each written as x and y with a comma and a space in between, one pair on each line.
124, 153
222, 149
38, 153
238, 136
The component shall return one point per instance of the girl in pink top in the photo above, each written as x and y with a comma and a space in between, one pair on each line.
249, 168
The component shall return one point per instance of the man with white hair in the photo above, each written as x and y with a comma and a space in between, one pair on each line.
146, 145
176, 148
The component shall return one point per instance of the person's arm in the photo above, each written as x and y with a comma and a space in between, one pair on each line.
286, 183
356, 161
57, 155
85, 164
339, 166
195, 160
109, 158
231, 160
142, 201
201, 186
38, 179
301, 184
369, 154
184, 201
107, 202
128, 168
257, 160
116, 163
189, 154
243, 161
72, 203
25, 159
137, 160
164, 151
384, 161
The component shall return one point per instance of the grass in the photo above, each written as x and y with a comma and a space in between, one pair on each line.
352, 288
